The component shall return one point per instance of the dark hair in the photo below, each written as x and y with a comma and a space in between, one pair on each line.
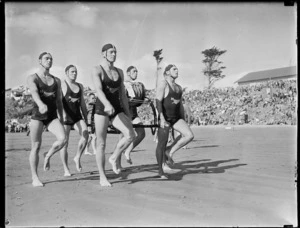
42, 54
68, 67
168, 68
108, 46
130, 68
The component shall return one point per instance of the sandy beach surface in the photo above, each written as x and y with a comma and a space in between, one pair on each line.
243, 176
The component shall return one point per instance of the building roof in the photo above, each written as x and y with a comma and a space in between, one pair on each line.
269, 74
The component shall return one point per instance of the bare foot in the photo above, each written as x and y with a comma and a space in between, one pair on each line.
128, 159
163, 177
167, 169
87, 153
104, 182
119, 166
114, 166
37, 183
169, 156
46, 163
67, 174
78, 165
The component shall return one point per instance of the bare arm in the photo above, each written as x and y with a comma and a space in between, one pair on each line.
59, 100
123, 95
160, 93
96, 75
83, 104
34, 90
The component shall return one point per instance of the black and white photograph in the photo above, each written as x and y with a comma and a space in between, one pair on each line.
154, 114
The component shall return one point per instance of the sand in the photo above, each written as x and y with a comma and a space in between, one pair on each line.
243, 176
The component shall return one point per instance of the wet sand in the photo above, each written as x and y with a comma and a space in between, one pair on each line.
243, 176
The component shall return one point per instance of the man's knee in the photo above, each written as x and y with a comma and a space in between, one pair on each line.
130, 136
85, 134
36, 146
62, 141
190, 136
100, 145
142, 134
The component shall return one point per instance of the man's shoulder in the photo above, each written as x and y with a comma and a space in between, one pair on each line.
55, 78
97, 68
32, 76
119, 69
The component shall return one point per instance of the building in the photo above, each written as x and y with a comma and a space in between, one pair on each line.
269, 75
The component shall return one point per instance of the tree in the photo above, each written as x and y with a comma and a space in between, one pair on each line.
213, 69
11, 110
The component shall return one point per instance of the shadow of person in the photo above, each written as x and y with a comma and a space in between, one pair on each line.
184, 168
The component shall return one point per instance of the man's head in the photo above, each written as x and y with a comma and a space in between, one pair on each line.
92, 98
171, 70
109, 52
71, 72
45, 60
132, 72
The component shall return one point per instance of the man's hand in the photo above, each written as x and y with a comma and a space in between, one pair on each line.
43, 108
109, 109
163, 123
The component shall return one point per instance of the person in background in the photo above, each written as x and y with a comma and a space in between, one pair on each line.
74, 115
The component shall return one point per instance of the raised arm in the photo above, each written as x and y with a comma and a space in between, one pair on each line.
96, 78
83, 104
35, 95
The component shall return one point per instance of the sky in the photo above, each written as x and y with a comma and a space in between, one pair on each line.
256, 36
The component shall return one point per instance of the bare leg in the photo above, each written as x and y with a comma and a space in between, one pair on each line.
101, 125
140, 135
155, 137
162, 135
81, 127
64, 153
119, 158
56, 128
36, 129
94, 139
123, 124
86, 150
186, 136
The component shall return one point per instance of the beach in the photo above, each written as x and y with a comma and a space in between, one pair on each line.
228, 176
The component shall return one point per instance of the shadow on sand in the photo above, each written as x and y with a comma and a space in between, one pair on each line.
183, 168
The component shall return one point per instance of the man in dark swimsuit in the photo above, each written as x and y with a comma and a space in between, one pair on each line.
171, 114
74, 108
111, 105
46, 93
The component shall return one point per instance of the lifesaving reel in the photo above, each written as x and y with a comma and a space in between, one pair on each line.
153, 127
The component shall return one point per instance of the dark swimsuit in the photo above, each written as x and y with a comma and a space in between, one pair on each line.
171, 106
111, 90
71, 103
48, 96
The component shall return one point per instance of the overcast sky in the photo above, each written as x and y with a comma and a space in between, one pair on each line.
257, 36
